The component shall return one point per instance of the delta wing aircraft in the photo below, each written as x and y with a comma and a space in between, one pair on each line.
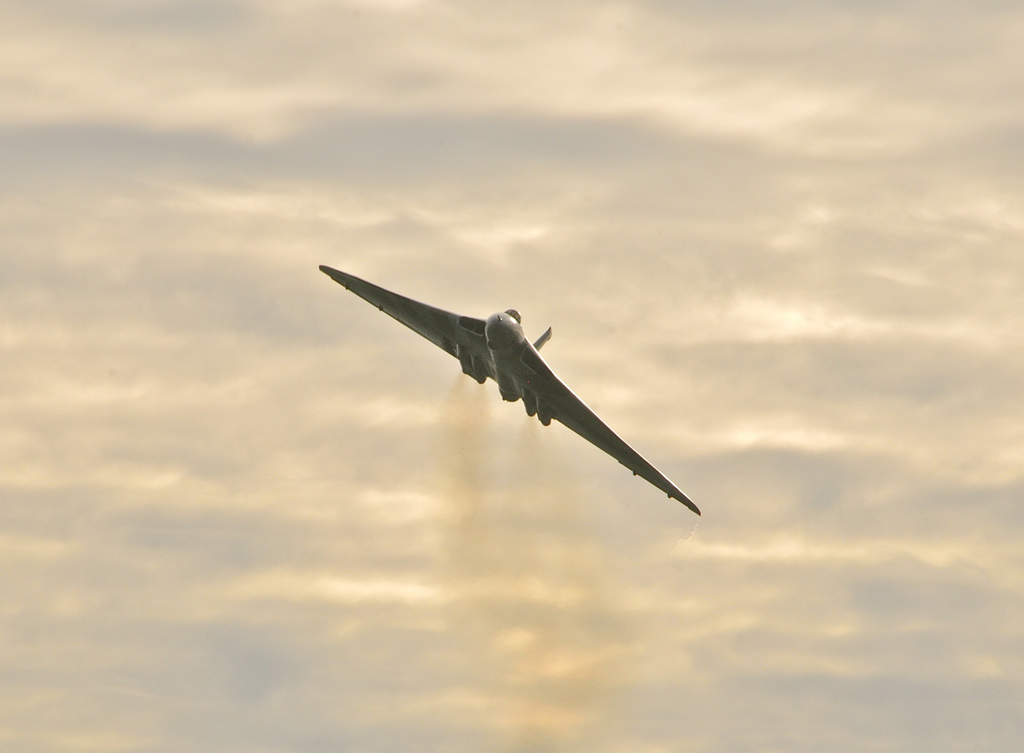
498, 349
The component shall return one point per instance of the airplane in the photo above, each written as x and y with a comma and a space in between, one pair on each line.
497, 348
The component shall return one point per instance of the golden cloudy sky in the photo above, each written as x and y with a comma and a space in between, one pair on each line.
782, 250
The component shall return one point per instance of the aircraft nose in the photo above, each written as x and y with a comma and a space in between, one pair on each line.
499, 332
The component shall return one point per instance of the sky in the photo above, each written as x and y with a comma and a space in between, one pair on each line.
780, 247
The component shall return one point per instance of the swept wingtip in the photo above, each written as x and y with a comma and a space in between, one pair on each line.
687, 501
339, 277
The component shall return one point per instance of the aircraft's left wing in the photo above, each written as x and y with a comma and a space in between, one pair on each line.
450, 332
564, 406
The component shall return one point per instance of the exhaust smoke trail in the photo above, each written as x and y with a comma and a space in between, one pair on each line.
528, 590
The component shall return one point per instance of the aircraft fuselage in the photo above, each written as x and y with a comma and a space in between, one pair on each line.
506, 341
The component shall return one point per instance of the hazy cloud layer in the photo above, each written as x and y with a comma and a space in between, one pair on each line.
780, 249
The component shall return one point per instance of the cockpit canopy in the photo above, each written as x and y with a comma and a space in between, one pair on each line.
515, 315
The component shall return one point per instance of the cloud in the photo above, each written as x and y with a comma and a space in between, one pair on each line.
742, 76
780, 253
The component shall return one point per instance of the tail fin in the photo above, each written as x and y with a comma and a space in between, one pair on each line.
543, 339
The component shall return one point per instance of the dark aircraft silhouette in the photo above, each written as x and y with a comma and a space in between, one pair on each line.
497, 348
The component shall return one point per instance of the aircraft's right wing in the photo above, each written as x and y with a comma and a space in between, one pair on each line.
564, 406
446, 330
